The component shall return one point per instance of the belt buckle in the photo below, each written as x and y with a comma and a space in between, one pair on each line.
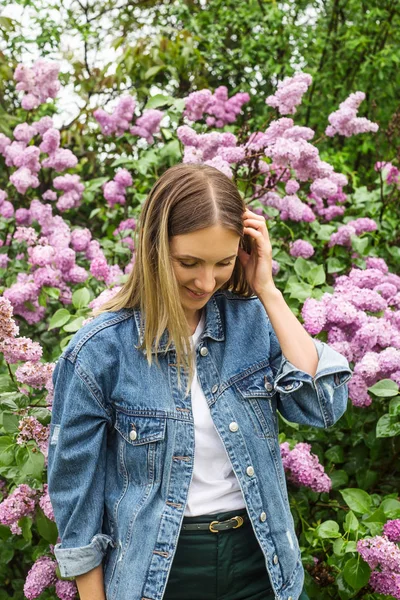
210, 526
239, 520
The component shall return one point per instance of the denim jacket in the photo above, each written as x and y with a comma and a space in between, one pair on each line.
122, 441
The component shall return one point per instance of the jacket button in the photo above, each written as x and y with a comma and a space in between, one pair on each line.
203, 351
233, 426
289, 386
133, 434
269, 386
250, 471
290, 598
276, 560
214, 388
263, 517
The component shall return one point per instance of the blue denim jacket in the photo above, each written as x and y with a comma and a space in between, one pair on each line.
122, 441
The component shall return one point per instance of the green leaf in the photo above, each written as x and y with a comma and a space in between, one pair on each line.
394, 407
52, 292
64, 341
387, 426
335, 265
153, 71
158, 100
60, 317
358, 500
30, 462
316, 275
81, 298
7, 451
74, 325
339, 478
46, 527
302, 267
335, 454
359, 244
26, 525
356, 572
95, 184
298, 290
338, 547
328, 529
391, 508
10, 422
386, 388
351, 523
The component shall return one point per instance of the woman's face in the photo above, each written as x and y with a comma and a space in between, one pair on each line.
203, 261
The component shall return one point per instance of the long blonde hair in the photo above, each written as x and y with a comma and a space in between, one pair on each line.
186, 198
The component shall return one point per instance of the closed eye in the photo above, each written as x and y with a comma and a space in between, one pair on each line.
194, 264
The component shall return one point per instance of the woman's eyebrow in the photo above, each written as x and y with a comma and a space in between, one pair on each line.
201, 260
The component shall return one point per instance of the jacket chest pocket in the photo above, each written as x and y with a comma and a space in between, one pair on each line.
257, 393
141, 445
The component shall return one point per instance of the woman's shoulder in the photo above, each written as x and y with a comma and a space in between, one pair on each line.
97, 332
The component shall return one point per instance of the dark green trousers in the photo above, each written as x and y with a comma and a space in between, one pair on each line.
228, 565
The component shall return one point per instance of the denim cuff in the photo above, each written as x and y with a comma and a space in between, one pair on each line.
331, 365
77, 561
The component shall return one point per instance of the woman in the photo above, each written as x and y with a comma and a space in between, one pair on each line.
168, 466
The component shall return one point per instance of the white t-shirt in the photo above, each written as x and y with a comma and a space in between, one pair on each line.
214, 487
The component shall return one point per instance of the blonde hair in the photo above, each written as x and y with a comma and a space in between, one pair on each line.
186, 198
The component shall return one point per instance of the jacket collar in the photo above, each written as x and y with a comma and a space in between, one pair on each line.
212, 328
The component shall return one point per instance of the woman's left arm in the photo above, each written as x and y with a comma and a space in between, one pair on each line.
296, 344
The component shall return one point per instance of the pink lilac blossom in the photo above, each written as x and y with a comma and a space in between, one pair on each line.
390, 172
148, 124
40, 82
45, 503
66, 590
380, 551
392, 530
4, 142
80, 239
115, 191
289, 93
386, 582
292, 187
41, 575
275, 267
119, 120
25, 234
24, 133
50, 195
220, 109
99, 268
304, 467
20, 503
206, 143
34, 374
377, 263
60, 160
21, 348
42, 125
23, 179
73, 189
222, 165
301, 248
344, 121
126, 225
31, 429
105, 296
8, 327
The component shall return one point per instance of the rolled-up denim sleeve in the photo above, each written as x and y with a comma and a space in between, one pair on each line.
76, 468
318, 401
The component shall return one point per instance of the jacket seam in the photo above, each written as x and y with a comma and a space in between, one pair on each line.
91, 388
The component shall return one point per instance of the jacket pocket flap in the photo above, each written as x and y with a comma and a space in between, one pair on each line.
140, 429
259, 384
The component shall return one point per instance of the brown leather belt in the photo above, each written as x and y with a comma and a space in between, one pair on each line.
216, 526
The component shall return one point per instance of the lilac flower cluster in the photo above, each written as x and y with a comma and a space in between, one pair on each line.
114, 191
304, 468
220, 109
390, 172
31, 429
344, 121
289, 93
301, 248
371, 341
343, 236
148, 124
20, 503
40, 82
125, 226
383, 554
119, 120
392, 530
25, 157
